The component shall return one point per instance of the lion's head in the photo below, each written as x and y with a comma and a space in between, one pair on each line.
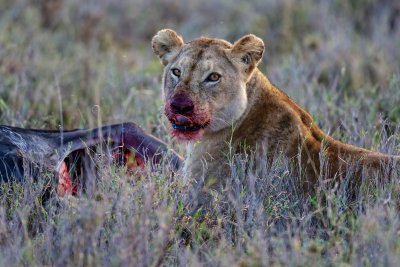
204, 82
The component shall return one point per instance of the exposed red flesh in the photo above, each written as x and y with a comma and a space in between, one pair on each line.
64, 186
132, 160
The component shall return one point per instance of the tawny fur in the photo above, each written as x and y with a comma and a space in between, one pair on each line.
246, 110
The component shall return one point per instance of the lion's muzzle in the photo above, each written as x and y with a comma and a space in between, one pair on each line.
186, 119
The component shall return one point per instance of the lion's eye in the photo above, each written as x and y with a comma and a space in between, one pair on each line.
213, 77
176, 72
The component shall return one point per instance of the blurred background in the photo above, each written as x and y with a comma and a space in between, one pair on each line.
73, 64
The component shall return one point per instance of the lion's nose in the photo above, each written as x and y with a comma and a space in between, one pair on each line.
181, 105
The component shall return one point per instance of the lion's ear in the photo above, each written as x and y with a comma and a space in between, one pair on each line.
248, 52
166, 44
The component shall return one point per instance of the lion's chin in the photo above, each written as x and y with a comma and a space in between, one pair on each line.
187, 135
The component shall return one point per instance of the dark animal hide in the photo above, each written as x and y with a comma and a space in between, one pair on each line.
68, 157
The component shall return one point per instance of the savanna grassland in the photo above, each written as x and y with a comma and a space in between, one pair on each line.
82, 64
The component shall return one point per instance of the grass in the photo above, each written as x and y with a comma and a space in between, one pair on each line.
75, 64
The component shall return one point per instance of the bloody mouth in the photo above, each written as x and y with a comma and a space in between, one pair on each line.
186, 124
186, 128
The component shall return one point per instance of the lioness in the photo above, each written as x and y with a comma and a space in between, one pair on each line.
217, 100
